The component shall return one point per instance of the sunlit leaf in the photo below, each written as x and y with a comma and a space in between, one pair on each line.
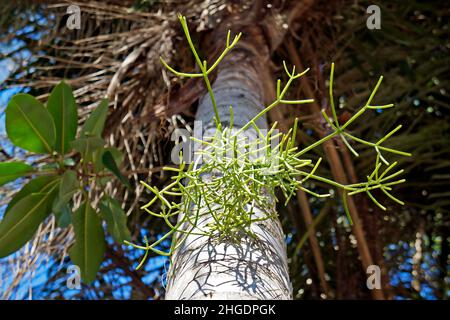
63, 108
10, 171
29, 125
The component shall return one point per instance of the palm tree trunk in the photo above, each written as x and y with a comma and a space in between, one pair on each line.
256, 268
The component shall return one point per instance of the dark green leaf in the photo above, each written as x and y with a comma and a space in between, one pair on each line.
38, 185
110, 164
89, 248
23, 220
10, 171
63, 216
98, 162
68, 187
96, 121
87, 146
116, 220
63, 108
29, 125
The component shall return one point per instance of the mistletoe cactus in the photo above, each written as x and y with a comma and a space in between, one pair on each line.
227, 195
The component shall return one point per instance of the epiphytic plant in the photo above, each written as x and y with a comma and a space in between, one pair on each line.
236, 176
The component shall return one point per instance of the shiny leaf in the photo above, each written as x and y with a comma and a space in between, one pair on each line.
63, 108
29, 125
10, 171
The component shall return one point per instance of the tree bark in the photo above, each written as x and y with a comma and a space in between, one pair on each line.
256, 268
